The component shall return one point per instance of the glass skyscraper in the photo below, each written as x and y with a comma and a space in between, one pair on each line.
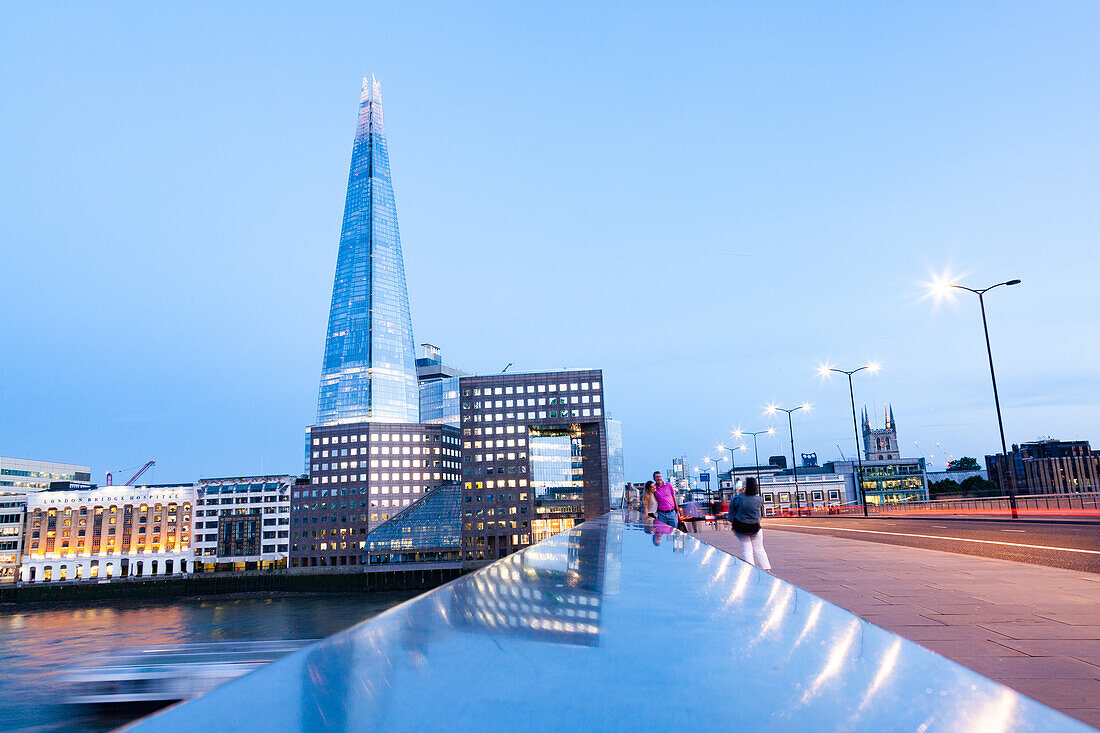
369, 368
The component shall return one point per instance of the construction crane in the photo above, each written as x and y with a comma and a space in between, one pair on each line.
135, 477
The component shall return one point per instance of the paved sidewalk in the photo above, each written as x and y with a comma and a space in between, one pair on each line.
1035, 629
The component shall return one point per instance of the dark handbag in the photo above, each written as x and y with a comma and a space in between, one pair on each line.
681, 526
745, 528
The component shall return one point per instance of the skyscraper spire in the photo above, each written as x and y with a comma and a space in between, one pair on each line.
369, 368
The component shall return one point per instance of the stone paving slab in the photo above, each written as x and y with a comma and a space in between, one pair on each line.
1035, 629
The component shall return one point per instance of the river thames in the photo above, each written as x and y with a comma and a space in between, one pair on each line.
38, 645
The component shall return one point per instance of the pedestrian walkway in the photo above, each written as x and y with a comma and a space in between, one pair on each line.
1035, 629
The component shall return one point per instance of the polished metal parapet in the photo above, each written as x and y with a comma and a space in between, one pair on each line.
611, 626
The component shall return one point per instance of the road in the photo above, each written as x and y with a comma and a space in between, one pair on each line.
1060, 544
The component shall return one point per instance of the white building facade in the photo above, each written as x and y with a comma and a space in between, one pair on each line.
242, 523
108, 532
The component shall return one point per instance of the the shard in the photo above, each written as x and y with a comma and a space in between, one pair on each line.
369, 368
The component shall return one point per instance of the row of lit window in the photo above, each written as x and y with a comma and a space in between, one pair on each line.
542, 415
386, 438
530, 389
510, 443
385, 450
531, 402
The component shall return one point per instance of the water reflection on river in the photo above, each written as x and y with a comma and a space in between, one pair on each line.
37, 646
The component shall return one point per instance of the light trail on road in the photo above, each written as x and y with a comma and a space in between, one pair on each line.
937, 537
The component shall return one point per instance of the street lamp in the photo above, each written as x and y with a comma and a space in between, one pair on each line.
825, 370
772, 410
715, 461
941, 289
756, 453
733, 466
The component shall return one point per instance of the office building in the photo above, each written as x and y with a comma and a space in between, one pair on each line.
23, 475
534, 458
111, 531
242, 523
1048, 467
880, 444
885, 481
369, 369
438, 388
13, 507
360, 475
397, 430
428, 530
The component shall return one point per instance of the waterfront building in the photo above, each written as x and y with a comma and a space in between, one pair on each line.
13, 507
369, 369
428, 530
360, 475
242, 523
1048, 467
880, 444
110, 531
534, 458
23, 475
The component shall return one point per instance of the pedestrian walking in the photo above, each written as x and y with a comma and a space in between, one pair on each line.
744, 515
668, 509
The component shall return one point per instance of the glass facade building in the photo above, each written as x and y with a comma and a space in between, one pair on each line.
439, 403
428, 530
369, 368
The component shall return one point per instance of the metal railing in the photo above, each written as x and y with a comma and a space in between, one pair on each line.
1035, 504
557, 637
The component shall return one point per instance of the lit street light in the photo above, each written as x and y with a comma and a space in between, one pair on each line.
756, 453
941, 289
826, 370
772, 410
733, 466
715, 461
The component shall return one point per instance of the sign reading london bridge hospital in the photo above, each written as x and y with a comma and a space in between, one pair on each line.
113, 531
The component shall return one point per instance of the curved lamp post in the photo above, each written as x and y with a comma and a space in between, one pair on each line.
941, 289
772, 410
825, 370
756, 453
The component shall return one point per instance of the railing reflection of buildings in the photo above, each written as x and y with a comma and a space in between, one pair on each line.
545, 594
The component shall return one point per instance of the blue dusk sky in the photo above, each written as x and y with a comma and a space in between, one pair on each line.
705, 200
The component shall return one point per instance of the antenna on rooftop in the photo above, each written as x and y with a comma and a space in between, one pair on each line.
505, 368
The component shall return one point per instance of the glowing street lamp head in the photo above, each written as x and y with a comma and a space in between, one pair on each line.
742, 447
825, 370
772, 408
941, 287
807, 406
873, 366
737, 433
720, 447
771, 431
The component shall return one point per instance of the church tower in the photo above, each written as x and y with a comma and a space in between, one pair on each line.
880, 444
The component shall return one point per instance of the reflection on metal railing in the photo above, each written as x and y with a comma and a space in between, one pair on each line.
603, 627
